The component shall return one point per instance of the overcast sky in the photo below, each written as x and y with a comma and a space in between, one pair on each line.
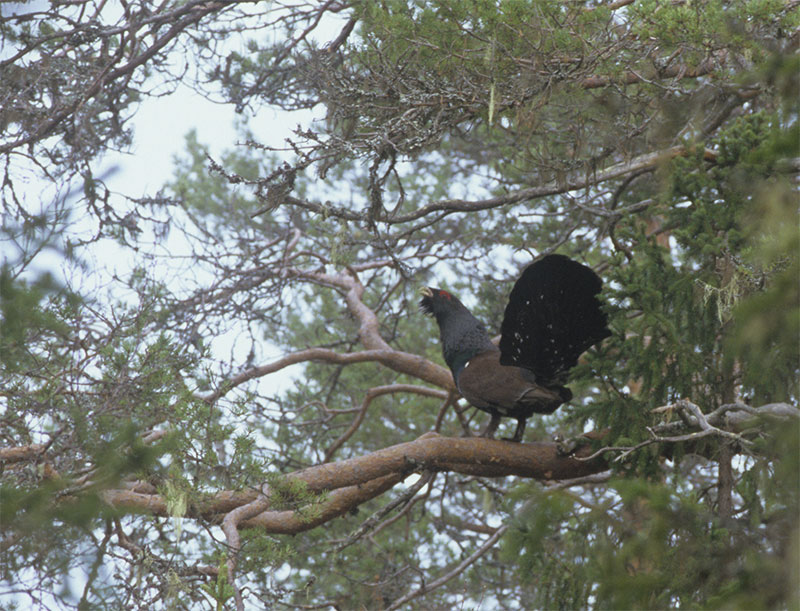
161, 124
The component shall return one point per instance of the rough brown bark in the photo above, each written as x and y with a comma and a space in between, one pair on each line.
356, 480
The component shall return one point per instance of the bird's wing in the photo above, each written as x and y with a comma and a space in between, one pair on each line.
487, 384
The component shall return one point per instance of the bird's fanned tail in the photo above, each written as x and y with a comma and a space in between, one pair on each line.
553, 315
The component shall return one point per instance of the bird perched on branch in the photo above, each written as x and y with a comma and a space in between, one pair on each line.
553, 315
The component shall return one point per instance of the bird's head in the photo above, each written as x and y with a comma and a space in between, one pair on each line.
462, 335
436, 302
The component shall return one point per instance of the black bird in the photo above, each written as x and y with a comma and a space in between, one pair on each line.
553, 315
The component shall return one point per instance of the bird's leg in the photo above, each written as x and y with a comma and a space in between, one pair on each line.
490, 428
519, 432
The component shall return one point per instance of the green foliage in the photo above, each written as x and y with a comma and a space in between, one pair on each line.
545, 524
220, 591
752, 242
22, 314
460, 140
646, 544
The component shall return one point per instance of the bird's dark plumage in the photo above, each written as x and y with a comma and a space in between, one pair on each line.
552, 317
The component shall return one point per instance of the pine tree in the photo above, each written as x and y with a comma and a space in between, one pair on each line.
257, 415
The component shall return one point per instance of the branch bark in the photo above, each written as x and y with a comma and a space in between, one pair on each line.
395, 359
21, 453
376, 348
356, 480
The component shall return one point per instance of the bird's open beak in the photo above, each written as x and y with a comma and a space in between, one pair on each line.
426, 291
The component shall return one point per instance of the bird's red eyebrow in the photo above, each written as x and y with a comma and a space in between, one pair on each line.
445, 294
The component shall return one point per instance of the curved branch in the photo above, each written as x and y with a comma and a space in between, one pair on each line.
377, 348
371, 395
337, 504
457, 570
403, 362
230, 526
359, 479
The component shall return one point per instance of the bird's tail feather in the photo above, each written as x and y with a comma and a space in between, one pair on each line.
553, 315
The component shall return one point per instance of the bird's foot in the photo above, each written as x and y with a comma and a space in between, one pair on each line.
516, 437
518, 432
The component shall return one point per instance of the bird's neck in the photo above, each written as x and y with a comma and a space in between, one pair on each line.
462, 338
457, 363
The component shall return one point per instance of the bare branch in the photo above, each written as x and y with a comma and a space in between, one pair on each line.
692, 416
645, 162
399, 361
457, 570
372, 394
370, 522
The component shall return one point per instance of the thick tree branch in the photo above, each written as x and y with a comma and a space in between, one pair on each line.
337, 503
359, 479
354, 481
631, 77
21, 453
